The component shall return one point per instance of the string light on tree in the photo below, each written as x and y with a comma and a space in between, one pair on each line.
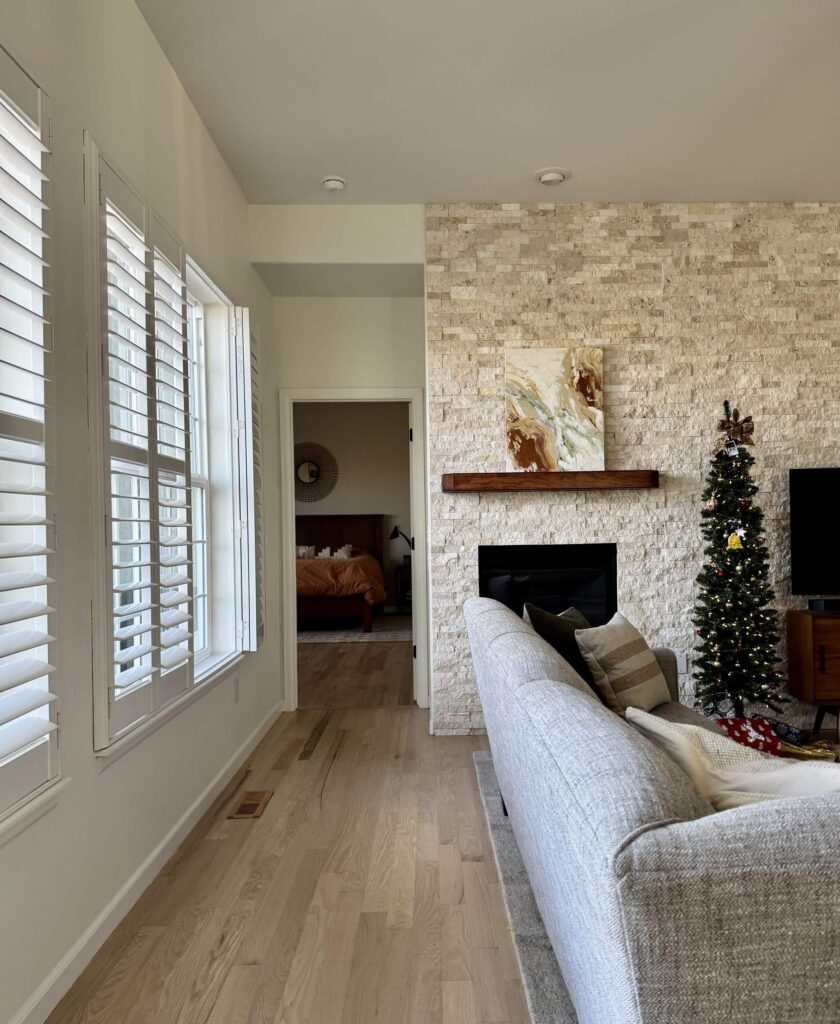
735, 660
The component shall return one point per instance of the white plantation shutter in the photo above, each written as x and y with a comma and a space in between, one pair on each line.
142, 634
28, 711
174, 489
249, 433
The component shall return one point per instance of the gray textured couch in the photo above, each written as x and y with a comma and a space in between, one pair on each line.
660, 911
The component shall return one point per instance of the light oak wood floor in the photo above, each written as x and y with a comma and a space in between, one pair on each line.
354, 675
366, 894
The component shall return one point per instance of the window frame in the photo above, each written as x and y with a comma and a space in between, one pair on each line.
200, 480
209, 665
119, 711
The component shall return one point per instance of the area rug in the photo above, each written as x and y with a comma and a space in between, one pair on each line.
545, 991
389, 629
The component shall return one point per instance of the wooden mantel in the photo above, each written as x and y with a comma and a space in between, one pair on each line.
598, 480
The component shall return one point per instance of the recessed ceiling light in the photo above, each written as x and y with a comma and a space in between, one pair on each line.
333, 183
552, 176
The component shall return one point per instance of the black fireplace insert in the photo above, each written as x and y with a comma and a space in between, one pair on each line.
551, 576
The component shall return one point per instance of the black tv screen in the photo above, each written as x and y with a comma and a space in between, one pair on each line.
814, 534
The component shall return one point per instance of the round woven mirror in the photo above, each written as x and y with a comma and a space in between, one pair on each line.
316, 472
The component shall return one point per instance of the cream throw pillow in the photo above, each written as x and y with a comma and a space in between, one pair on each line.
729, 774
624, 669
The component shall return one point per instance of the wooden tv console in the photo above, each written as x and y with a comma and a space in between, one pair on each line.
814, 660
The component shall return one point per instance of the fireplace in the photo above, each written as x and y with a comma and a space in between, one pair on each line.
551, 576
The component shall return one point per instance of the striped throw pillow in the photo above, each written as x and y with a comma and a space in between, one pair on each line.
624, 669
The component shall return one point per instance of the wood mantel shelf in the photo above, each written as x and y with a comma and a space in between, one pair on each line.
593, 480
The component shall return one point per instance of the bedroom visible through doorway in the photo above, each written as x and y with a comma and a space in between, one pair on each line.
353, 553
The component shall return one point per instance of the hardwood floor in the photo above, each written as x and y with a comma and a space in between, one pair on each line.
354, 675
366, 894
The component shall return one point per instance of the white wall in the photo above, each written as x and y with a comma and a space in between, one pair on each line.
350, 342
106, 73
370, 443
338, 234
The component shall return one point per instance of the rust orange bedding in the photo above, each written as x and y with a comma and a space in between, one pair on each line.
341, 577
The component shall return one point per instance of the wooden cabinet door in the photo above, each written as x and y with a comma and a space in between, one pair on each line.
827, 658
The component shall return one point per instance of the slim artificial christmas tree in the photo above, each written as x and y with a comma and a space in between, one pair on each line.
735, 660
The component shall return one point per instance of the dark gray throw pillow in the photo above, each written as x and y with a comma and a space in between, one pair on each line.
559, 631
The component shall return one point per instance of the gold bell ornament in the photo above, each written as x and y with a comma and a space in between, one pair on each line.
734, 542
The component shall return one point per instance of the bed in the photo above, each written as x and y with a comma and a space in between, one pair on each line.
340, 588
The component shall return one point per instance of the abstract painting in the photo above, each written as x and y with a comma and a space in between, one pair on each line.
554, 409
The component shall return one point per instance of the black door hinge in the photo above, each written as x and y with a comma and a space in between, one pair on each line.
410, 433
414, 651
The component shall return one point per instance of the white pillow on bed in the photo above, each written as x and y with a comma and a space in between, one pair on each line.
306, 551
344, 552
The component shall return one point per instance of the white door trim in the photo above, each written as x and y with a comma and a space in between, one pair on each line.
419, 562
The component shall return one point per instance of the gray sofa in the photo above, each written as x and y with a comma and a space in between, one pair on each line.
660, 911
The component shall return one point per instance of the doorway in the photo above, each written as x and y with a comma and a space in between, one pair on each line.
353, 542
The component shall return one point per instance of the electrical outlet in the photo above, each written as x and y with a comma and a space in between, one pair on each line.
682, 662
236, 689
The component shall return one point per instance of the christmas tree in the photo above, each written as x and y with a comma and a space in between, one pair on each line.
735, 660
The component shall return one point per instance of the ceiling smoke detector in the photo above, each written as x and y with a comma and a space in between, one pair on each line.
552, 176
333, 183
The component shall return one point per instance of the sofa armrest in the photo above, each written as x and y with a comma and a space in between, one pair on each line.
758, 886
794, 833
668, 665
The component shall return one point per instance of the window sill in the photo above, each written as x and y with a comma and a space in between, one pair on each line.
213, 671
31, 811
216, 665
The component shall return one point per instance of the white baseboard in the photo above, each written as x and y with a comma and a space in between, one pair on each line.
48, 994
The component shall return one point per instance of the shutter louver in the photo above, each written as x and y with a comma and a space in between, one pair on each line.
28, 727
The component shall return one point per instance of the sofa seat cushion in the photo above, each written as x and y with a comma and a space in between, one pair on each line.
672, 711
624, 669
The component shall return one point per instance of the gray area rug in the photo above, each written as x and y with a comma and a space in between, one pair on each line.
545, 990
387, 629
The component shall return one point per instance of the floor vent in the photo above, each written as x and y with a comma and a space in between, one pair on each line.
252, 803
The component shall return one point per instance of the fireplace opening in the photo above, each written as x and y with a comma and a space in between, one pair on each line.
551, 576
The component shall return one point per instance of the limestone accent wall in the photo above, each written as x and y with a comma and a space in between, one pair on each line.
692, 303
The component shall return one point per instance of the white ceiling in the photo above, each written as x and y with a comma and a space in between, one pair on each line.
441, 100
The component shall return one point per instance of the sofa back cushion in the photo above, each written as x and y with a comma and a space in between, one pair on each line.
507, 652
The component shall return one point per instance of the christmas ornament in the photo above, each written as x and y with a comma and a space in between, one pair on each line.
734, 542
712, 504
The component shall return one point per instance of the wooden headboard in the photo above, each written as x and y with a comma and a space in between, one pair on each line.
364, 531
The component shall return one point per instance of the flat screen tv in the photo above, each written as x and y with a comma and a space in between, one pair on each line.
814, 533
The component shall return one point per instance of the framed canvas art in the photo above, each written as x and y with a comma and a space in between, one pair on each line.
554, 409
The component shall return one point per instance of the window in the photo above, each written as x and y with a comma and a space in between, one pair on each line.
171, 563
28, 703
